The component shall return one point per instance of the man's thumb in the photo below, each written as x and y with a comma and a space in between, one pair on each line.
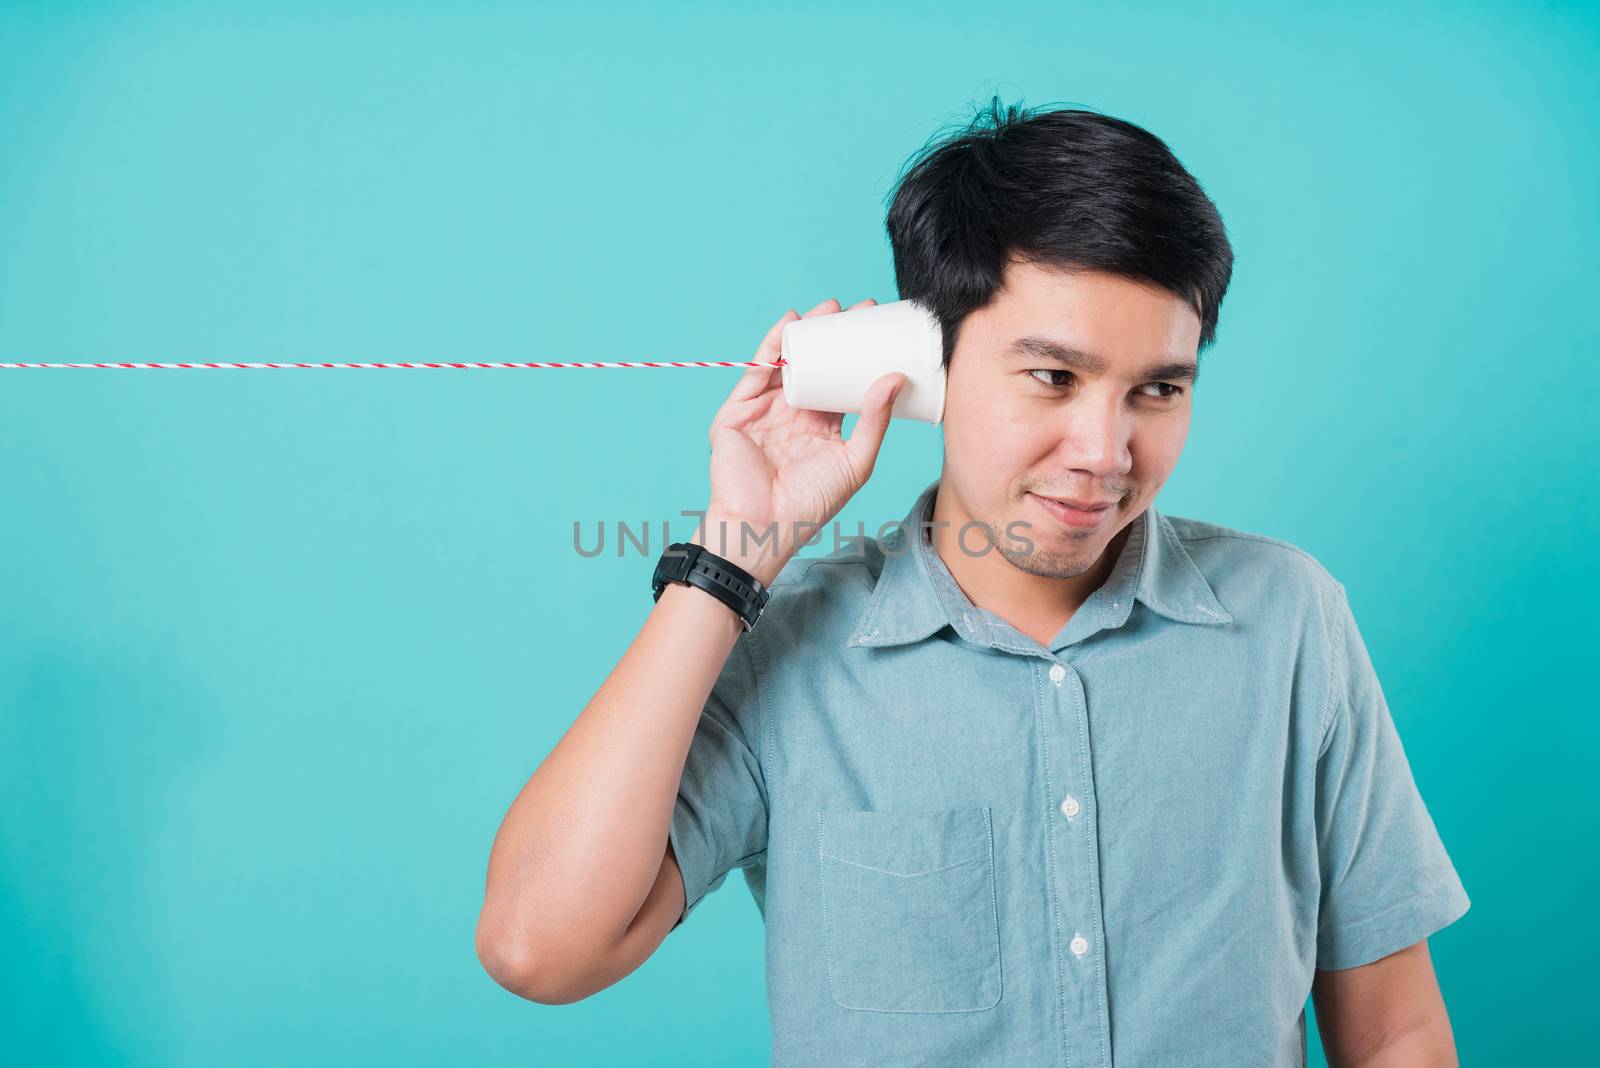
867, 436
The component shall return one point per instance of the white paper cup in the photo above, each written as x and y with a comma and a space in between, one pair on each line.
830, 360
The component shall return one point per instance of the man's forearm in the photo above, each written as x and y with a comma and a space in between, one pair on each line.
1429, 1045
582, 846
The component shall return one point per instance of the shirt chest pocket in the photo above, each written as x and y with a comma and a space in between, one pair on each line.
909, 915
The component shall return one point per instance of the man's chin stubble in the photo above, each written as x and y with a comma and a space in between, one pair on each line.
1047, 563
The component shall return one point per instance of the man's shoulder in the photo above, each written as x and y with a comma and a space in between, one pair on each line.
1229, 555
854, 564
824, 591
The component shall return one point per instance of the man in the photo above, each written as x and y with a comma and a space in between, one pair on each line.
1042, 776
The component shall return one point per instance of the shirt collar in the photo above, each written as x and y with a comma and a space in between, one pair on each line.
916, 595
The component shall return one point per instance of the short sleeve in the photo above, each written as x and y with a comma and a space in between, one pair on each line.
1387, 882
720, 819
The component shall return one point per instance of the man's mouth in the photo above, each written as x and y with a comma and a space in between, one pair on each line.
1075, 512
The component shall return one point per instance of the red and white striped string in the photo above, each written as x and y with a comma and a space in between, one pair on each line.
407, 365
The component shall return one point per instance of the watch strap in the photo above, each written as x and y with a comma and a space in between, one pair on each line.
689, 564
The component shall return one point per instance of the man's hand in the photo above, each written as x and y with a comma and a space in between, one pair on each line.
773, 464
1387, 1014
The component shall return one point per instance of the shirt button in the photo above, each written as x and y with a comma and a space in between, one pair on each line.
1070, 807
1057, 673
1080, 945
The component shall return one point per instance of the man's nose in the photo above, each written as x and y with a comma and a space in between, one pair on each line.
1097, 436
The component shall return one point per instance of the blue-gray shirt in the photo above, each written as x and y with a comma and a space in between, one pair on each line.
1132, 847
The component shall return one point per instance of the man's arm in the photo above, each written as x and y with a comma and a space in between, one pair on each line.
579, 890
1386, 1014
583, 882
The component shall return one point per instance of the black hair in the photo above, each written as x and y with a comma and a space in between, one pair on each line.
1062, 187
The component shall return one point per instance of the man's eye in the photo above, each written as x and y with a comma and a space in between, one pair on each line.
1169, 391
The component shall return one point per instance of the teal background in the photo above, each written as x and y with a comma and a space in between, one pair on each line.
278, 649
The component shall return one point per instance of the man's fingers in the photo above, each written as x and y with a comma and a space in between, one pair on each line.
756, 379
867, 437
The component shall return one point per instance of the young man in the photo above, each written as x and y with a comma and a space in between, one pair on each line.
1042, 776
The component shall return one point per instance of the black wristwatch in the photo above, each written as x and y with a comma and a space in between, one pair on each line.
689, 564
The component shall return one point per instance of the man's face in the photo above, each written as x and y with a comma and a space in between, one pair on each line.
1103, 420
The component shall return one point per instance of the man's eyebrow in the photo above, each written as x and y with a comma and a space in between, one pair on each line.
1045, 348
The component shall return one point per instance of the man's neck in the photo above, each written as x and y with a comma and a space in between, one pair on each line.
1036, 605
